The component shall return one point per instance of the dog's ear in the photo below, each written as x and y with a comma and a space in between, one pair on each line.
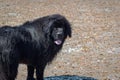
47, 26
68, 29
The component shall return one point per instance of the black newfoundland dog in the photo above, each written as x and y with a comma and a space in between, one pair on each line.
34, 43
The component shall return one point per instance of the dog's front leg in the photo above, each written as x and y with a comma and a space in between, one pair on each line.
30, 70
40, 72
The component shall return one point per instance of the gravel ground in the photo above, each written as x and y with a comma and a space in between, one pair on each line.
93, 50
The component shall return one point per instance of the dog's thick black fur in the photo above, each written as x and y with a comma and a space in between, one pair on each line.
34, 43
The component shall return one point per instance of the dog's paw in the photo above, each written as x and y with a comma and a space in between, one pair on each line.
29, 78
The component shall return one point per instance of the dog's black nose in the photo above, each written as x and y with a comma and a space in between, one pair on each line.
60, 36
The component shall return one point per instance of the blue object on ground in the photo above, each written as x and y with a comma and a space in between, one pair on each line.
69, 77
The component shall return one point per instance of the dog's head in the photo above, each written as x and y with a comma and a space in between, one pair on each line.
58, 28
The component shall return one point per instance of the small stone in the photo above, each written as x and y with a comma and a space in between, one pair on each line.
12, 14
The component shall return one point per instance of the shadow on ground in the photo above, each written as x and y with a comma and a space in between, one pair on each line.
68, 77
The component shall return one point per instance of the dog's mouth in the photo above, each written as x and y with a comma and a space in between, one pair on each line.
58, 42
